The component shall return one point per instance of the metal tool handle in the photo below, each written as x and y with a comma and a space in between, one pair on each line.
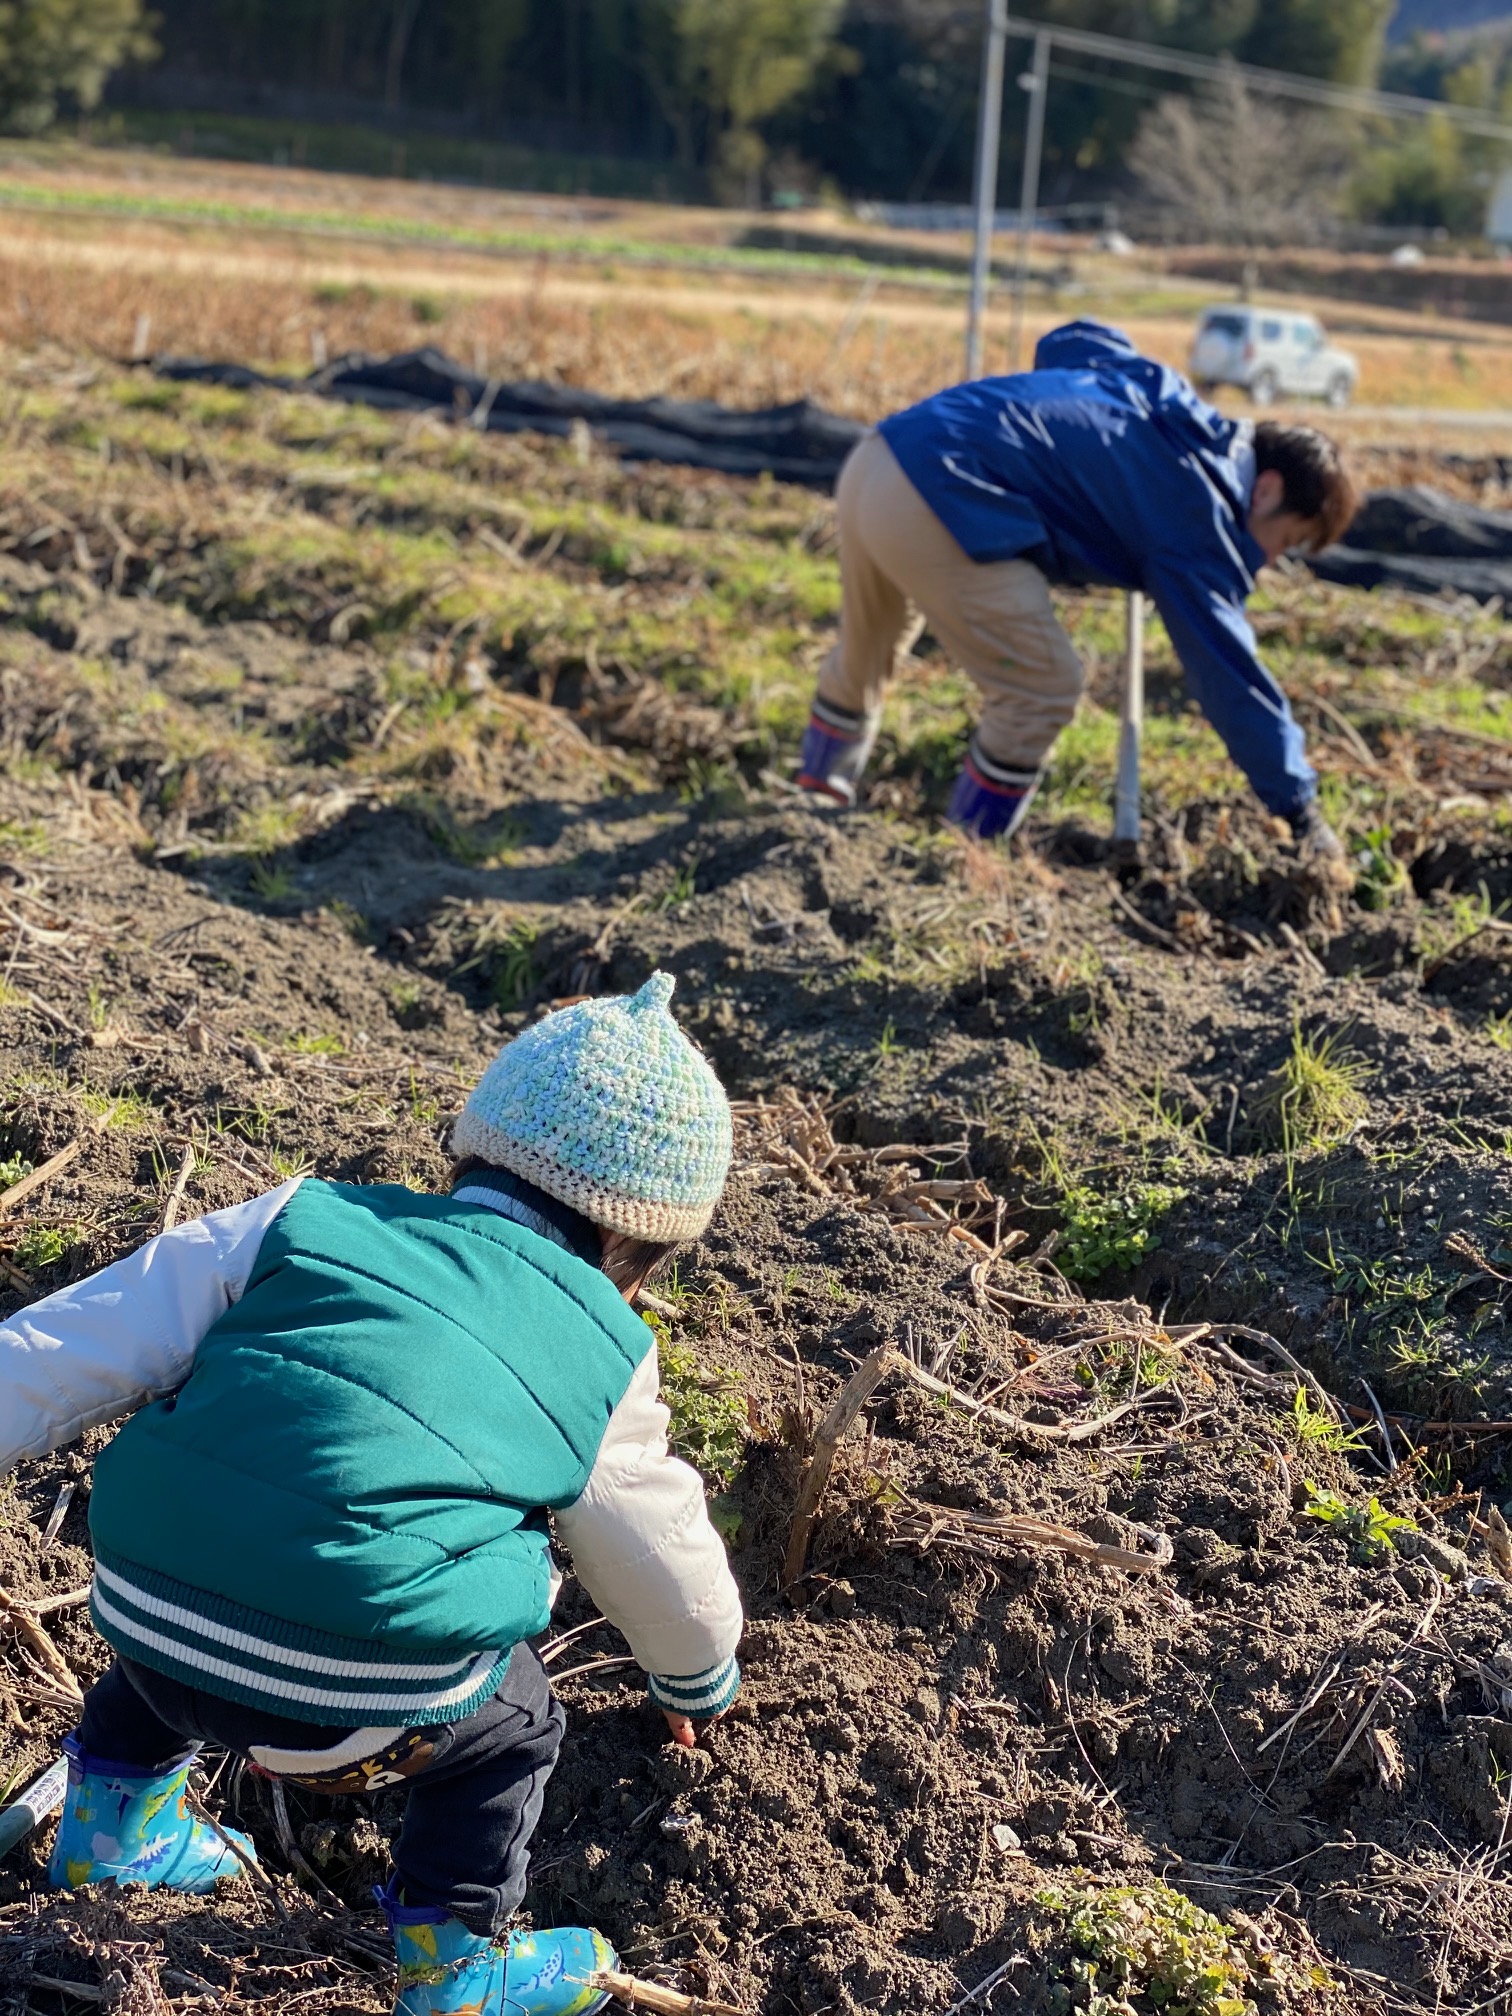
1131, 728
43, 1796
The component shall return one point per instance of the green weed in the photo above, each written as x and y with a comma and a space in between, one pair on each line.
350, 918
12, 1170
1116, 1227
1147, 1947
1315, 1427
45, 1245
710, 1420
1315, 1097
1382, 878
1498, 1030
490, 844
270, 882
1455, 923
264, 829
124, 1110
1368, 1528
683, 887
515, 974
327, 1044
425, 1107
99, 1007
21, 836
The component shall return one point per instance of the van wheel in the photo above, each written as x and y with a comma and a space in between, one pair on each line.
1263, 388
1339, 389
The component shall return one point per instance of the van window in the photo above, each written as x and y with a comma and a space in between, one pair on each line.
1307, 334
1270, 332
1223, 324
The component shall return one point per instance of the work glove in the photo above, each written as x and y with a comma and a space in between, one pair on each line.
1320, 849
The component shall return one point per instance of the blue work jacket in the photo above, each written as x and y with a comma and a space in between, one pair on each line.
1100, 465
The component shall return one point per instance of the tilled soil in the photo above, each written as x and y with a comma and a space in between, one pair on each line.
946, 1741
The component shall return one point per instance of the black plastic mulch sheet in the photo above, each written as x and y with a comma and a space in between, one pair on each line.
800, 443
1417, 538
1413, 538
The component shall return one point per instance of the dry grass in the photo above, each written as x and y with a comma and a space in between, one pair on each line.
598, 293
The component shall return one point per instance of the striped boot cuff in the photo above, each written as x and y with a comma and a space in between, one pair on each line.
999, 776
837, 720
699, 1696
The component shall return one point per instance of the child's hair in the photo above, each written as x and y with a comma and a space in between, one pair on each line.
1314, 482
636, 1260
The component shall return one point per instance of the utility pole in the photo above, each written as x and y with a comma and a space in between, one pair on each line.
1036, 81
989, 128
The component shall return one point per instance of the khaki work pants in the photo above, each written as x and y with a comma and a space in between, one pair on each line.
994, 618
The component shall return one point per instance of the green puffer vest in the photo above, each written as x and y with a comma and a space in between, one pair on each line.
340, 1515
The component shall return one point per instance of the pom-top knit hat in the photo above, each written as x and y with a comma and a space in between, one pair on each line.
609, 1107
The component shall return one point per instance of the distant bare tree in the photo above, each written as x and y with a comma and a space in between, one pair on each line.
1229, 166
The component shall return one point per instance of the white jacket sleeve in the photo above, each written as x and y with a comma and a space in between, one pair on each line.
127, 1334
644, 1548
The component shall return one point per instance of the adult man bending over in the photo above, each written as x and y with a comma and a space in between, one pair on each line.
1099, 465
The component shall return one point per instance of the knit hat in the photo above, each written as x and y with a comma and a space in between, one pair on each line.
609, 1107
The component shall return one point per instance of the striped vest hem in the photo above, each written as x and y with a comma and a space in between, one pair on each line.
285, 1669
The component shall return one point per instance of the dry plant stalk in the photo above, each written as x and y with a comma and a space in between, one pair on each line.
796, 1134
19, 1192
925, 1526
650, 1995
24, 1623
832, 1429
1048, 1431
175, 1198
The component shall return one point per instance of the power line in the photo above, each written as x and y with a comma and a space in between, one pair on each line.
1274, 83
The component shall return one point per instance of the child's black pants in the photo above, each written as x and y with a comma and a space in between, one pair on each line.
475, 1786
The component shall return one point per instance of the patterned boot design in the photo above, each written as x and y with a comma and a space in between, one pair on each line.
445, 1970
837, 746
135, 1826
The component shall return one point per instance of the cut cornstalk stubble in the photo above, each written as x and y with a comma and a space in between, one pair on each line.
795, 1135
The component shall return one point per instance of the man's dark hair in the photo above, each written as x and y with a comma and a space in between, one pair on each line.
1315, 483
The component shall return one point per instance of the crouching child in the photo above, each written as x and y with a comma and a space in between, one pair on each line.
323, 1542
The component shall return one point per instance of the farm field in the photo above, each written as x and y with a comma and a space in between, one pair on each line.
110, 251
336, 745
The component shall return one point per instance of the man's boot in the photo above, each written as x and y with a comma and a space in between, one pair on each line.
989, 800
445, 1970
135, 1825
837, 747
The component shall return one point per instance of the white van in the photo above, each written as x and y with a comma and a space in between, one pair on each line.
1271, 354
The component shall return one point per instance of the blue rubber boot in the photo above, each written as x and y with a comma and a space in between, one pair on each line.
837, 747
135, 1825
989, 800
445, 1970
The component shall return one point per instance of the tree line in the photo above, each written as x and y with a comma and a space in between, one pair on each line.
867, 97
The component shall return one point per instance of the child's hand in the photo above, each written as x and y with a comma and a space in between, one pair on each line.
684, 1729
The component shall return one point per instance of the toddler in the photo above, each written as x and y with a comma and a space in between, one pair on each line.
324, 1543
